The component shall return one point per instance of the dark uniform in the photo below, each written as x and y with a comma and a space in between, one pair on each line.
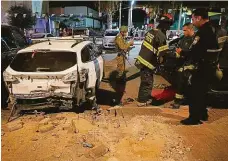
183, 71
204, 56
153, 46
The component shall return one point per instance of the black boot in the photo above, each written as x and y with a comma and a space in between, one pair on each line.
190, 121
204, 117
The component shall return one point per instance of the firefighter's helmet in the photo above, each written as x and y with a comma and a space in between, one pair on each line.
165, 19
123, 29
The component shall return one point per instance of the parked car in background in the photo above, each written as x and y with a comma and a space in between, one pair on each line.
39, 37
109, 38
58, 73
12, 40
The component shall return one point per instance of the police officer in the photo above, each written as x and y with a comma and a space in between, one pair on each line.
153, 47
122, 46
204, 54
186, 66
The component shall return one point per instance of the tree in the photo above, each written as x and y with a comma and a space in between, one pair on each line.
108, 7
21, 17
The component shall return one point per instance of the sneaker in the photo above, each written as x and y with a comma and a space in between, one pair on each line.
190, 121
175, 106
144, 104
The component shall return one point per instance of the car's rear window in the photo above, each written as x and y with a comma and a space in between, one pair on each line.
111, 33
43, 61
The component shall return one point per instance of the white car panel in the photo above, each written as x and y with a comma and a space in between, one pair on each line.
44, 84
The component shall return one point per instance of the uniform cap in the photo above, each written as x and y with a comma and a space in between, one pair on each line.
123, 29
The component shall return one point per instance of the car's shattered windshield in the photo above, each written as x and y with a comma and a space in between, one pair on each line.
43, 61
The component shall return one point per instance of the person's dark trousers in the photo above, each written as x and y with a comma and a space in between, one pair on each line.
146, 84
182, 81
198, 95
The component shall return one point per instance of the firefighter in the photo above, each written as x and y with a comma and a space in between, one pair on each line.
122, 47
204, 52
186, 67
153, 47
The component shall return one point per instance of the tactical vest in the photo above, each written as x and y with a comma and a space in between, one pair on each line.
118, 50
153, 47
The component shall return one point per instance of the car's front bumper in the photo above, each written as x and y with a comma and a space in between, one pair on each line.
109, 45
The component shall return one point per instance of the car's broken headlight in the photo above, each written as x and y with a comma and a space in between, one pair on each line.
70, 77
8, 77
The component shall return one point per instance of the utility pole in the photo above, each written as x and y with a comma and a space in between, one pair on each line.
120, 14
129, 18
130, 14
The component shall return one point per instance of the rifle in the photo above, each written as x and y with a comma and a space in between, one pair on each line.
125, 53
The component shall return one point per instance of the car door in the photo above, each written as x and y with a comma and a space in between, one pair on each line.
98, 62
87, 64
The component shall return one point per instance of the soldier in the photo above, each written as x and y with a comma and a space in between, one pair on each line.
204, 52
153, 47
183, 46
122, 47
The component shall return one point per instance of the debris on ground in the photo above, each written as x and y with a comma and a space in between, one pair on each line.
15, 125
87, 145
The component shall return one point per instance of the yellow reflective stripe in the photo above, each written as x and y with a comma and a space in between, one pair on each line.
162, 48
150, 47
177, 55
146, 63
180, 69
179, 96
189, 67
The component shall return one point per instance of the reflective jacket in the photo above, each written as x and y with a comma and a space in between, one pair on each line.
153, 47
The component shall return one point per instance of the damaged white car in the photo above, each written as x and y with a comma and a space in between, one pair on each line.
58, 73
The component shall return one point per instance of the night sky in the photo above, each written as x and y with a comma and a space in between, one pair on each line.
138, 15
